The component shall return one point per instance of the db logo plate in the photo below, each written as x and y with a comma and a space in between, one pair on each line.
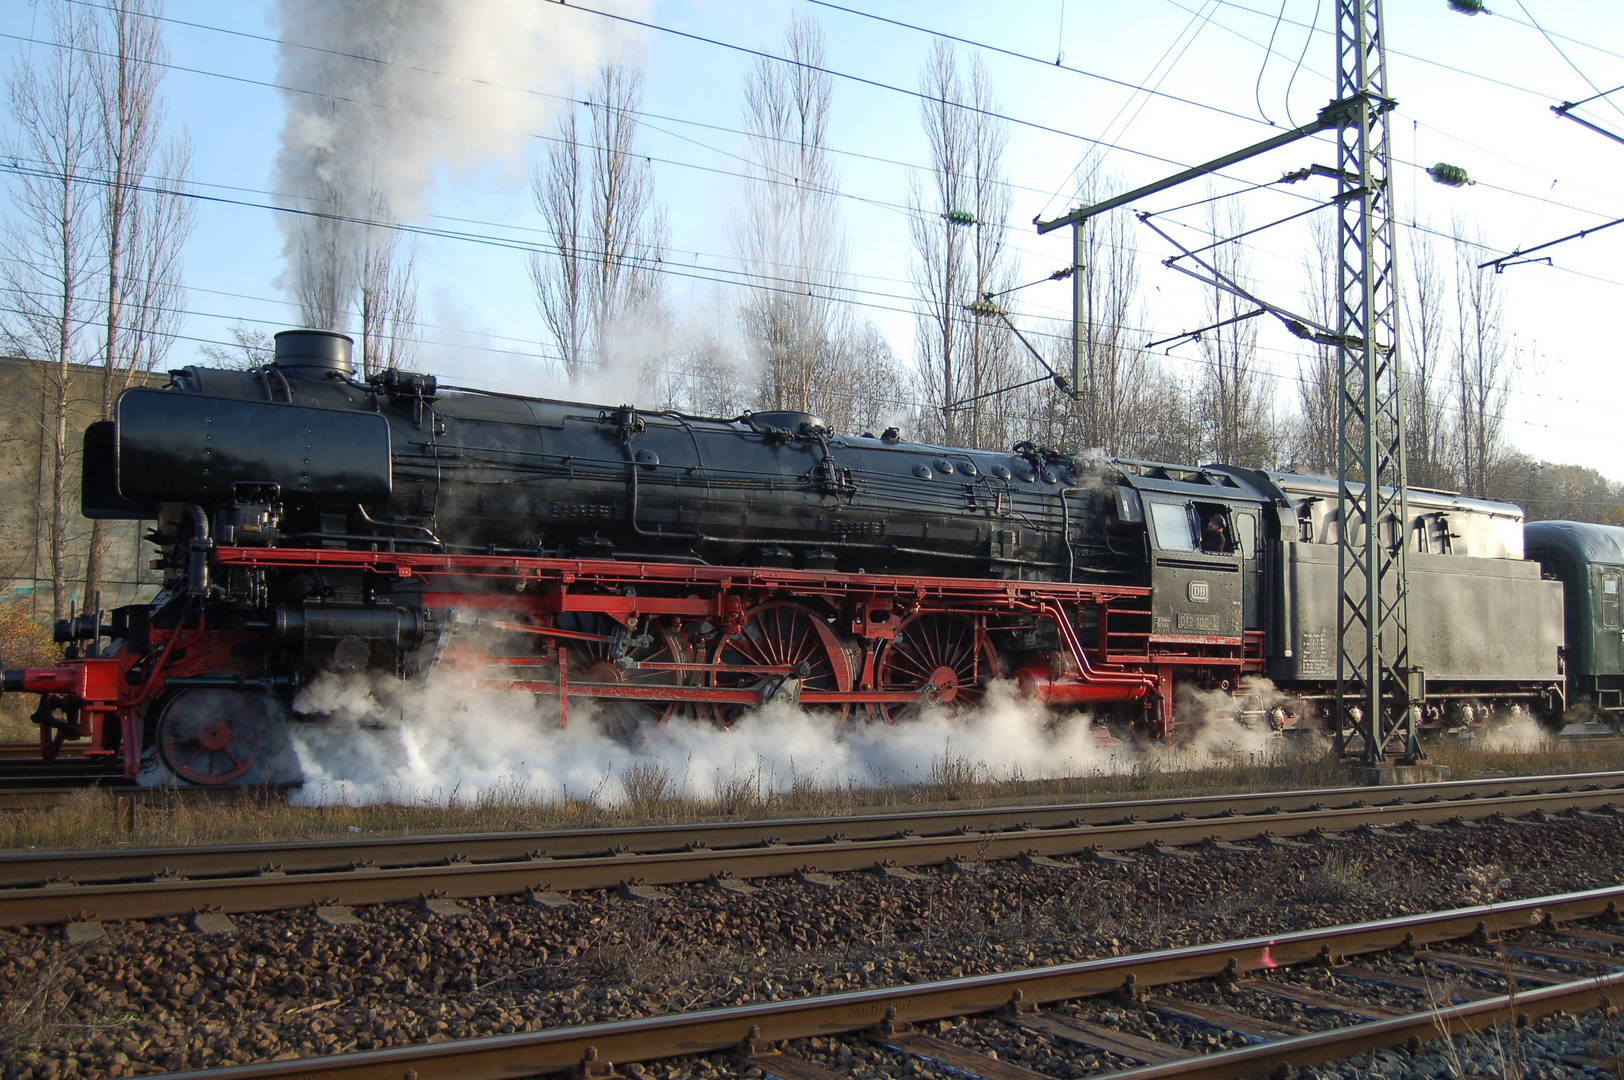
1198, 592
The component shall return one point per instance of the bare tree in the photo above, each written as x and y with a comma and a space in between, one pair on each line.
940, 243
1172, 426
1480, 362
999, 406
560, 277
958, 218
709, 365
163, 221
608, 236
1235, 414
864, 392
250, 347
789, 237
144, 219
1112, 369
627, 228
52, 100
386, 291
1428, 435
1315, 445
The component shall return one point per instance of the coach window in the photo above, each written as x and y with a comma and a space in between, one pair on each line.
1609, 602
1175, 528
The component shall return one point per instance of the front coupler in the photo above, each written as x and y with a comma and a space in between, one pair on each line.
77, 700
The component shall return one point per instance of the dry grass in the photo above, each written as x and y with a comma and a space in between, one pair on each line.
24, 642
15, 726
653, 795
1471, 759
35, 1009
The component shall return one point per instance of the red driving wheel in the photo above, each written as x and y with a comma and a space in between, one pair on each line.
780, 634
214, 735
946, 657
595, 662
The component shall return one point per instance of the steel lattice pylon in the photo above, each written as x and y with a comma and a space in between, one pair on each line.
1372, 632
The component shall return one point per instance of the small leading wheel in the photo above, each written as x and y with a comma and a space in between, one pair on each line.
948, 657
214, 735
595, 662
780, 634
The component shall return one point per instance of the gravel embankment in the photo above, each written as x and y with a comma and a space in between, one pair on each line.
158, 996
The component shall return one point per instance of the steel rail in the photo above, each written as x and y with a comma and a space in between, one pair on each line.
218, 860
34, 798
1280, 1058
29, 751
271, 891
561, 1049
38, 795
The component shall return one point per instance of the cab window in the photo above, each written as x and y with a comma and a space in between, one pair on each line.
1215, 532
1246, 534
1175, 528
1610, 602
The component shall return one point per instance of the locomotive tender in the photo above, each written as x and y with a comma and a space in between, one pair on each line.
655, 563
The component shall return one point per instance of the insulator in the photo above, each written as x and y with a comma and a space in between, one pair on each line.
1449, 175
960, 217
1468, 7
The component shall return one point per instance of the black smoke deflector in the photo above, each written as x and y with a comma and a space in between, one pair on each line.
174, 447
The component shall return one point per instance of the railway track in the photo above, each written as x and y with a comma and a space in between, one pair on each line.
40, 785
1546, 959
56, 887
12, 751
37, 794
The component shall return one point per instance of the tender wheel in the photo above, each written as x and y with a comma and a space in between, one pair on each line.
947, 652
594, 662
210, 735
780, 634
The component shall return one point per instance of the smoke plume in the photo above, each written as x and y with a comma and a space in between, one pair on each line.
386, 96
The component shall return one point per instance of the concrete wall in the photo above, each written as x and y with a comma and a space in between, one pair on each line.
25, 494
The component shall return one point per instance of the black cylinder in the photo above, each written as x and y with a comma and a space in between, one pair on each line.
313, 353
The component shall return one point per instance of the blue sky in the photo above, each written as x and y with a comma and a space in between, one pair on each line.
1472, 91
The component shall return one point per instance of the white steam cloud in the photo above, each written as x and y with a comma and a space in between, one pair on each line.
386, 741
387, 93
386, 96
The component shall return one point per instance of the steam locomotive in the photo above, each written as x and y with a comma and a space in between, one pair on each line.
312, 524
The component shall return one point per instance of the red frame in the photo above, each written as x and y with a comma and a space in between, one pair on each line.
113, 696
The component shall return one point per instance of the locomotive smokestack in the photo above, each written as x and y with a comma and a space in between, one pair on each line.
313, 354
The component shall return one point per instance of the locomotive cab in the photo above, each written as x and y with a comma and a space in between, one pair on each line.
1201, 542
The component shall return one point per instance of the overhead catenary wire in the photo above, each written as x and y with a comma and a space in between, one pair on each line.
1308, 40
1441, 234
1599, 92
898, 207
646, 113
1263, 66
1017, 55
917, 404
904, 304
642, 114
901, 208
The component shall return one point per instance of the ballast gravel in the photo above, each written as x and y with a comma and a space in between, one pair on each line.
159, 996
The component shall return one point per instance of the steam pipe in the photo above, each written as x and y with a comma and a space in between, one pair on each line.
197, 552
1034, 682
